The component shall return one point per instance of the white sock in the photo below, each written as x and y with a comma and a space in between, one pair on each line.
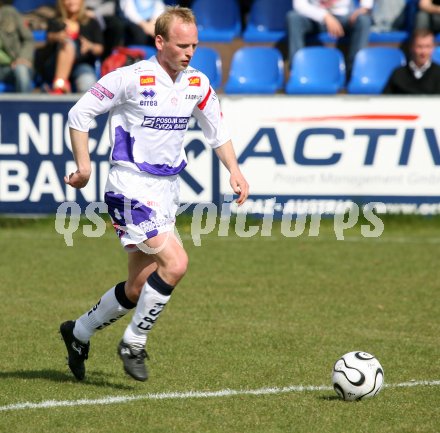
155, 295
113, 305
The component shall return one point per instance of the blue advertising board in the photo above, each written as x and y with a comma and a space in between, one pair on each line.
35, 155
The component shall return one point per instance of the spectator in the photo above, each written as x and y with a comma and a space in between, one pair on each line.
428, 15
112, 26
16, 49
420, 76
389, 15
74, 43
140, 17
310, 17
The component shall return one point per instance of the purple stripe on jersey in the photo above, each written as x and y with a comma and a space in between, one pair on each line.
161, 169
123, 151
129, 211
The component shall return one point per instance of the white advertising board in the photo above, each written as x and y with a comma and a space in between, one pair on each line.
336, 146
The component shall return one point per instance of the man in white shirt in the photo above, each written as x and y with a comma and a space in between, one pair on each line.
337, 17
149, 105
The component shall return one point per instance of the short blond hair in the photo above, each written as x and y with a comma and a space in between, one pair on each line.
163, 22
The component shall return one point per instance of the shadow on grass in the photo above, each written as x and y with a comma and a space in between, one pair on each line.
93, 379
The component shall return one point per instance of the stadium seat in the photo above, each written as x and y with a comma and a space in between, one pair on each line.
372, 67
398, 36
267, 21
255, 70
209, 62
39, 35
217, 21
6, 87
25, 6
316, 70
436, 55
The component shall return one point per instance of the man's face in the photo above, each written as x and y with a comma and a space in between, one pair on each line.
176, 52
422, 49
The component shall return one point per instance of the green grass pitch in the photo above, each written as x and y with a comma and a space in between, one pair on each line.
251, 314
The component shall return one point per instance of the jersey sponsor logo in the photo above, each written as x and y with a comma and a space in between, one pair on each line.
166, 123
194, 81
189, 96
100, 92
96, 94
147, 80
104, 91
149, 95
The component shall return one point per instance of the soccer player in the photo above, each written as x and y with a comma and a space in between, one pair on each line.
149, 105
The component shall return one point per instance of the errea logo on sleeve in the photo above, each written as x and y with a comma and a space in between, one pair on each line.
147, 80
194, 81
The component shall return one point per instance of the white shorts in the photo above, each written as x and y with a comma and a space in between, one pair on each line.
141, 205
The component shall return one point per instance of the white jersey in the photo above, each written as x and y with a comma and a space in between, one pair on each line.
149, 115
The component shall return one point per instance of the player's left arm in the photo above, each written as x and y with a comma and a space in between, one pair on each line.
226, 154
210, 118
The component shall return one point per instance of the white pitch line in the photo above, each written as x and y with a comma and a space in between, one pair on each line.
191, 394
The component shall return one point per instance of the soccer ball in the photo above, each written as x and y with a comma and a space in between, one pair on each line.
357, 375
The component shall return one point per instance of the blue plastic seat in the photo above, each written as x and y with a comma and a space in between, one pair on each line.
372, 68
39, 35
25, 6
257, 70
217, 21
436, 55
401, 35
208, 61
6, 87
267, 21
316, 70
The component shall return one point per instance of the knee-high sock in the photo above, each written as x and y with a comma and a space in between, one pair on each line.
155, 295
113, 305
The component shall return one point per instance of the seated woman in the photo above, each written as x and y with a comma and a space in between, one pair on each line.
140, 17
74, 43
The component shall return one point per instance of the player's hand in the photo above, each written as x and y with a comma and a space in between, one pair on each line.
239, 186
78, 179
334, 27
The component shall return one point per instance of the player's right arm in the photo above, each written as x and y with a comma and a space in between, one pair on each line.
80, 149
105, 94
